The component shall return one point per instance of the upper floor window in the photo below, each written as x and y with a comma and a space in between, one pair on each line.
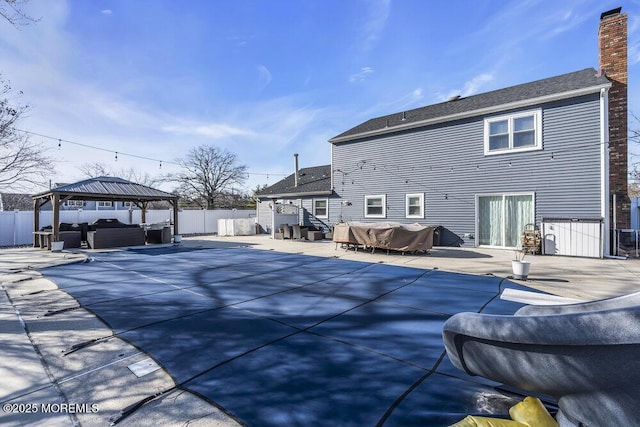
375, 206
103, 204
321, 208
515, 132
415, 205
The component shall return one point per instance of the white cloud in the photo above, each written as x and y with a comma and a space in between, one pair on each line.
374, 21
209, 131
473, 86
563, 21
410, 100
362, 75
264, 76
470, 87
106, 12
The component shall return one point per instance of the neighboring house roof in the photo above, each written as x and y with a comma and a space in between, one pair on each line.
313, 181
108, 188
560, 87
15, 201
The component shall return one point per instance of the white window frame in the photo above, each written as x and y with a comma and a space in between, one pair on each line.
74, 203
407, 206
537, 125
383, 197
326, 208
103, 204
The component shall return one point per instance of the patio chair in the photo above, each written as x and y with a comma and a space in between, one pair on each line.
585, 355
299, 233
286, 231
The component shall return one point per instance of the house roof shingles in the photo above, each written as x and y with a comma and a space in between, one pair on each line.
566, 85
311, 181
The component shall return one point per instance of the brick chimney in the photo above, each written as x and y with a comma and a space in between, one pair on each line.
612, 40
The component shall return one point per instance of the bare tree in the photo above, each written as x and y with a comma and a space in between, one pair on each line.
253, 199
23, 163
96, 169
208, 173
12, 11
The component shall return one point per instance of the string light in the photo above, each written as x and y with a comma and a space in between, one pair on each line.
117, 153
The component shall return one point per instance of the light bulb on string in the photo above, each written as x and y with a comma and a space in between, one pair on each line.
116, 156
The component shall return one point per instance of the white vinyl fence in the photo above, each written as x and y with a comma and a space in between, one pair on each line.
16, 227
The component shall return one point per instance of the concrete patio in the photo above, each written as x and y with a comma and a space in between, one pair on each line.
100, 375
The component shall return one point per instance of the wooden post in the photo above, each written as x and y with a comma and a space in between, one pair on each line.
175, 217
143, 213
55, 204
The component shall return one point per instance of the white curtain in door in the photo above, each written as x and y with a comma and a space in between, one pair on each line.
518, 213
490, 216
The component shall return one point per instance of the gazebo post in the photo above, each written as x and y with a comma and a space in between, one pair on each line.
175, 216
55, 202
143, 213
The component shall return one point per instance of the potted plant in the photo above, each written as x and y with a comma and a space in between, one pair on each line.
519, 266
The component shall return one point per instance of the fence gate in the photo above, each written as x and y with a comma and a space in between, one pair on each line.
284, 214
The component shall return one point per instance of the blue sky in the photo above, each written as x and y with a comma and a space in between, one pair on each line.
266, 79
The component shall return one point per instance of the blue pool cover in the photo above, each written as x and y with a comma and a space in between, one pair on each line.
285, 339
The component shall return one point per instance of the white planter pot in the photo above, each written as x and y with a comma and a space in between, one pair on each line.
177, 238
57, 246
520, 269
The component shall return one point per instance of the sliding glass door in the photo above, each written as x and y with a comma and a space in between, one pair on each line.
502, 218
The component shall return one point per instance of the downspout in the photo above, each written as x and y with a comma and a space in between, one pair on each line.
604, 170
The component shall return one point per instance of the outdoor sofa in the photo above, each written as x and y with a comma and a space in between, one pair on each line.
111, 233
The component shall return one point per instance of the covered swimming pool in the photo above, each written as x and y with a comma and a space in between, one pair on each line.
288, 339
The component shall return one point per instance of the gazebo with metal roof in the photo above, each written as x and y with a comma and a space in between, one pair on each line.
102, 188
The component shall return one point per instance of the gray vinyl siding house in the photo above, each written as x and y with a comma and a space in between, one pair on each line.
307, 197
484, 166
